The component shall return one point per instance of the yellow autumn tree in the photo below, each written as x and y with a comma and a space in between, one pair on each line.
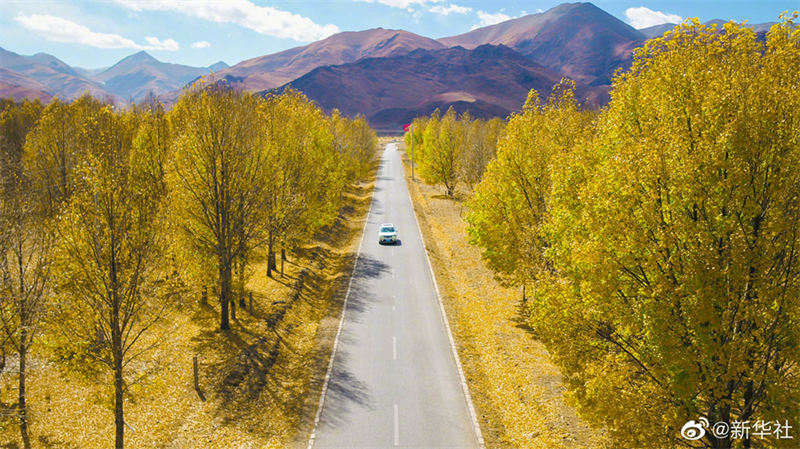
54, 148
480, 147
109, 242
217, 181
414, 140
304, 172
356, 142
439, 162
25, 243
510, 205
675, 282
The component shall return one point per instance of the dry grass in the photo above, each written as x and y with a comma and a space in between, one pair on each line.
516, 388
259, 382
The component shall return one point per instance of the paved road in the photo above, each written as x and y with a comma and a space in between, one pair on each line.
394, 381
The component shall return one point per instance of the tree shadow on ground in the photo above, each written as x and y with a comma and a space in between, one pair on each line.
344, 393
257, 366
457, 197
521, 319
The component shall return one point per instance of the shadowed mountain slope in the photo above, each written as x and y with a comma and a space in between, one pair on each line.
487, 81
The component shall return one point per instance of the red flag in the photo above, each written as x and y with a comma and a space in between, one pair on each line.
406, 127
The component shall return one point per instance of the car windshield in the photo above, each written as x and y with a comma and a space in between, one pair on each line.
387, 229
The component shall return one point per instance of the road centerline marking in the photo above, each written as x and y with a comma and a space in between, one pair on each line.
396, 427
394, 348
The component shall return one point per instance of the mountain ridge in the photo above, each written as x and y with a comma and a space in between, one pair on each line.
57, 80
487, 81
579, 40
137, 75
574, 40
270, 71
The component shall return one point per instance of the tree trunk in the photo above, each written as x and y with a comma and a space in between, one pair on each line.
719, 415
242, 302
23, 408
119, 420
270, 256
224, 293
117, 344
748, 409
3, 358
283, 259
233, 309
23, 352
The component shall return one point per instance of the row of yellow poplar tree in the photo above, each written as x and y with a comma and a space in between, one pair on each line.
109, 215
658, 238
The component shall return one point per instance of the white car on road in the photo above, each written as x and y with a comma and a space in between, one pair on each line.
387, 234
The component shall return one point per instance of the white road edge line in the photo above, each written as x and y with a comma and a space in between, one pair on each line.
396, 427
394, 348
341, 321
464, 387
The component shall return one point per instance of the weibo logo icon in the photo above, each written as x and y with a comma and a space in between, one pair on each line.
694, 430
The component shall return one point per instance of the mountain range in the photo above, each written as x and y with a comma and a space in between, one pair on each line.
389, 76
487, 81
44, 76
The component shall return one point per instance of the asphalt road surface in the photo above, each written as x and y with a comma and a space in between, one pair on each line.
394, 381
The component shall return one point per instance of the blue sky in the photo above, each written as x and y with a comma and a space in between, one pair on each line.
93, 34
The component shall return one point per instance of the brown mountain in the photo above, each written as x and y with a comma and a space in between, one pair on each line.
579, 40
270, 71
51, 72
657, 30
487, 81
17, 86
135, 76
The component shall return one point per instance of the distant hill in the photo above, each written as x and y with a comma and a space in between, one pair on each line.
757, 27
17, 86
54, 63
270, 71
137, 75
579, 40
219, 65
487, 81
131, 78
57, 77
657, 30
